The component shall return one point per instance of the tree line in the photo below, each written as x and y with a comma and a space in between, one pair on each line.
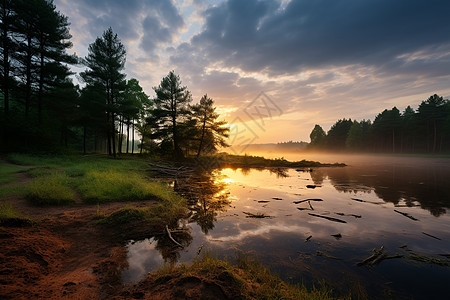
425, 130
42, 109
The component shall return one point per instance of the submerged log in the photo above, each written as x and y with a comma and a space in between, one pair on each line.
328, 218
308, 238
406, 215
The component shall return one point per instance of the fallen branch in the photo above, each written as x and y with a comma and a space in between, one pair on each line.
328, 218
375, 254
172, 239
406, 215
434, 237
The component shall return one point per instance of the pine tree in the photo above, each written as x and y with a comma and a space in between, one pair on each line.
171, 102
106, 60
211, 132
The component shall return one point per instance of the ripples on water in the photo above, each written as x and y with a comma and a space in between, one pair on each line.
373, 198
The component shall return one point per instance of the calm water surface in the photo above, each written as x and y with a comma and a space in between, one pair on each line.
368, 198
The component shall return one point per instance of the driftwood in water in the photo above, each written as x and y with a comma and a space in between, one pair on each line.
263, 201
375, 254
306, 200
308, 238
328, 218
257, 215
276, 198
171, 238
319, 253
366, 201
312, 186
434, 237
337, 236
351, 215
406, 215
303, 208
378, 256
310, 205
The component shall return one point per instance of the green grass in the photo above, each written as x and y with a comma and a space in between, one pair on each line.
52, 189
7, 173
12, 191
248, 276
108, 186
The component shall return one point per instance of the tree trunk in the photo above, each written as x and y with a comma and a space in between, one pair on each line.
84, 139
128, 135
203, 136
28, 77
41, 85
6, 66
132, 139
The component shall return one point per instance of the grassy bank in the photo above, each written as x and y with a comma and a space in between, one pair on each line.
63, 180
246, 279
225, 160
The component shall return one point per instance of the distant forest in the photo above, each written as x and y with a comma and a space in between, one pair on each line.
426, 130
43, 110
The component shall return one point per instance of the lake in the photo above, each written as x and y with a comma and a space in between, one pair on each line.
317, 225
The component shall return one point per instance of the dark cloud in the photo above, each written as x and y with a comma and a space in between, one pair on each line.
158, 20
260, 36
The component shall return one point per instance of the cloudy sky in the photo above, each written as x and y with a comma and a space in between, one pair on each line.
296, 62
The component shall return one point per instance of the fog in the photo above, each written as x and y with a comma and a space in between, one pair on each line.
358, 160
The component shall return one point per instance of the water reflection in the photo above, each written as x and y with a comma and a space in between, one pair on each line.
290, 241
406, 185
207, 196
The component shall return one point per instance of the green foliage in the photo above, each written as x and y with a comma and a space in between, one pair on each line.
318, 137
208, 133
170, 112
426, 130
52, 189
